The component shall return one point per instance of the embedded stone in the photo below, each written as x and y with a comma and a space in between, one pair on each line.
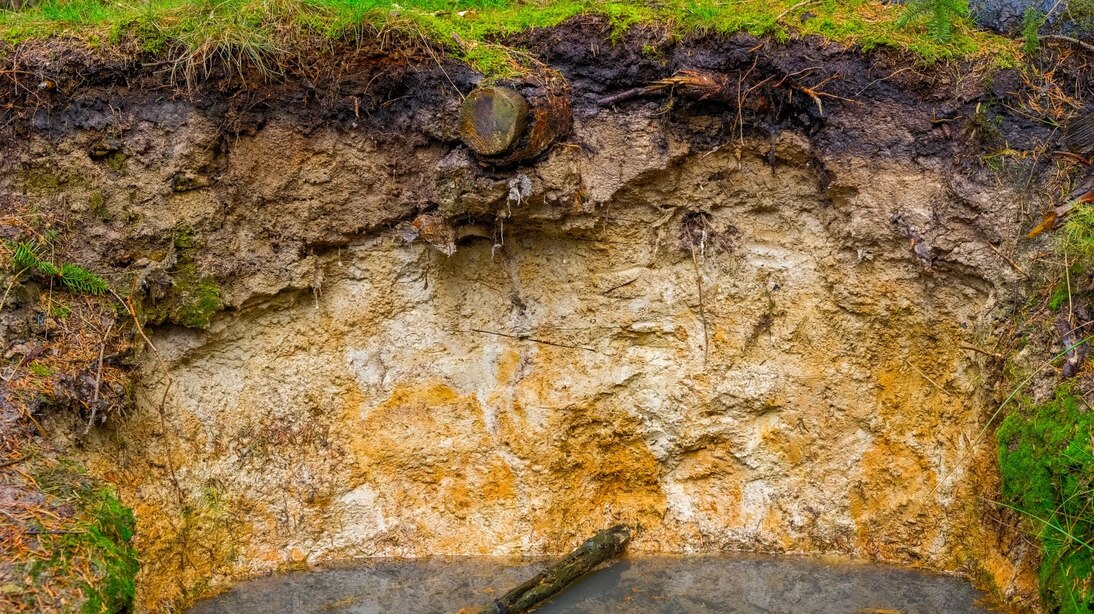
492, 120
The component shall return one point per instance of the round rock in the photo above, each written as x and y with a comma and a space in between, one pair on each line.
492, 120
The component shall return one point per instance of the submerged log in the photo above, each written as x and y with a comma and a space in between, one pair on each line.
602, 547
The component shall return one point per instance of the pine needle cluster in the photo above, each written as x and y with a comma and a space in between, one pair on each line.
27, 257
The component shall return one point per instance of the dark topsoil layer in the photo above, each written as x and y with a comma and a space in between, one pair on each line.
404, 91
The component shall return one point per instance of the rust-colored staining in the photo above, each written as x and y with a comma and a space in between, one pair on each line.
712, 480
431, 228
428, 451
896, 481
441, 468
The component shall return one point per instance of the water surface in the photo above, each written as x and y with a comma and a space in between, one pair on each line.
645, 585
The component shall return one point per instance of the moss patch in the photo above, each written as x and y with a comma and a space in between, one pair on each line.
84, 545
192, 301
1046, 457
197, 298
1077, 238
193, 297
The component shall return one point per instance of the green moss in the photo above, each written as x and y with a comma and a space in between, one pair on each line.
116, 161
184, 237
1059, 296
99, 540
1046, 457
198, 299
40, 180
37, 368
59, 310
193, 298
96, 205
109, 533
1082, 12
192, 301
1065, 289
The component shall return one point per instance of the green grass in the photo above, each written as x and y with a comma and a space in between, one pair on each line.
1046, 457
258, 31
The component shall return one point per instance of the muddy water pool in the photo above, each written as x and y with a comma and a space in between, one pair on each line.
729, 584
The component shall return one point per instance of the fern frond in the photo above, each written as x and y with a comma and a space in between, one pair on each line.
81, 280
26, 256
1031, 28
939, 25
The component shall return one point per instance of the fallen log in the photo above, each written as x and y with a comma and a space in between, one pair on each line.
603, 546
508, 125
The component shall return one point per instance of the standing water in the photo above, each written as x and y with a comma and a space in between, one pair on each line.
729, 584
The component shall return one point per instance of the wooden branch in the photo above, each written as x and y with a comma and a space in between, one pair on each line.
1069, 39
1009, 260
625, 96
604, 546
128, 302
973, 348
695, 84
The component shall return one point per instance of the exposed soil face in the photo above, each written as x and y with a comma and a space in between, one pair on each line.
738, 330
